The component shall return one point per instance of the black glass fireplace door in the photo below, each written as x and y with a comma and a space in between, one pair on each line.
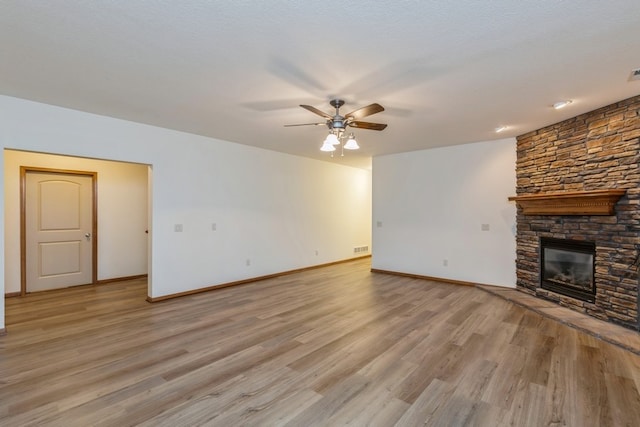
567, 268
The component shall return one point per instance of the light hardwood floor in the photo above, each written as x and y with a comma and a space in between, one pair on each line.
332, 346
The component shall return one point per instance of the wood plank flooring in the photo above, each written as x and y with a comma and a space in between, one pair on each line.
326, 347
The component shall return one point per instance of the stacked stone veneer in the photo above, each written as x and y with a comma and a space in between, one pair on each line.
596, 150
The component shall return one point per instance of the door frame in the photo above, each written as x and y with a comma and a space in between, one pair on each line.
23, 214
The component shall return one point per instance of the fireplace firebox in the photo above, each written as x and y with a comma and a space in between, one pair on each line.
567, 268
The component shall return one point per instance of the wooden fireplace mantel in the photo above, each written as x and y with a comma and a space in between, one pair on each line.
595, 202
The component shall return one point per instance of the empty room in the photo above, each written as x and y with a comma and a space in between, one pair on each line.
288, 213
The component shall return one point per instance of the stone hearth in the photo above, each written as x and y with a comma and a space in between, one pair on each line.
595, 151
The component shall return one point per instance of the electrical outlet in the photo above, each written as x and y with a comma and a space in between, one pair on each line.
248, 262
213, 226
445, 262
177, 228
379, 224
316, 252
485, 227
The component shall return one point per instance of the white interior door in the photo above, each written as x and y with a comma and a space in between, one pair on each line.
58, 228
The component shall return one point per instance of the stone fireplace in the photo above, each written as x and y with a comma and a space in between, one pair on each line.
578, 220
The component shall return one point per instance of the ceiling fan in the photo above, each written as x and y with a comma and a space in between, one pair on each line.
339, 123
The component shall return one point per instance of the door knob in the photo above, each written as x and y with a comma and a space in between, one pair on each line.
88, 236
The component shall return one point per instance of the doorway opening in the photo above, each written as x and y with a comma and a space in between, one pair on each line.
123, 194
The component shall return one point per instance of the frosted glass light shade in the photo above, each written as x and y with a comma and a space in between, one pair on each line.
332, 139
327, 146
351, 144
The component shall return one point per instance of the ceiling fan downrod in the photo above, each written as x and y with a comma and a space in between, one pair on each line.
338, 120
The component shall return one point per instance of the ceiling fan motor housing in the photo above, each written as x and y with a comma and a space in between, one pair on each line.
337, 122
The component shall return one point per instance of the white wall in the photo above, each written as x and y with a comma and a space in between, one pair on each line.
432, 204
274, 209
122, 213
2, 253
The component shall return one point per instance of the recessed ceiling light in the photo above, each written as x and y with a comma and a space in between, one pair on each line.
501, 128
561, 104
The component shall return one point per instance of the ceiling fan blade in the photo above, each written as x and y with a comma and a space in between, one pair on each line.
305, 124
365, 111
316, 111
368, 125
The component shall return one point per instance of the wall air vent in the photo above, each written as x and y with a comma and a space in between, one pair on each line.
635, 74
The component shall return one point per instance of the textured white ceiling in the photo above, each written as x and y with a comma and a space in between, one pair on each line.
448, 72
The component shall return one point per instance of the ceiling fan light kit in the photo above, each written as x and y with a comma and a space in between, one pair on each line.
338, 124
